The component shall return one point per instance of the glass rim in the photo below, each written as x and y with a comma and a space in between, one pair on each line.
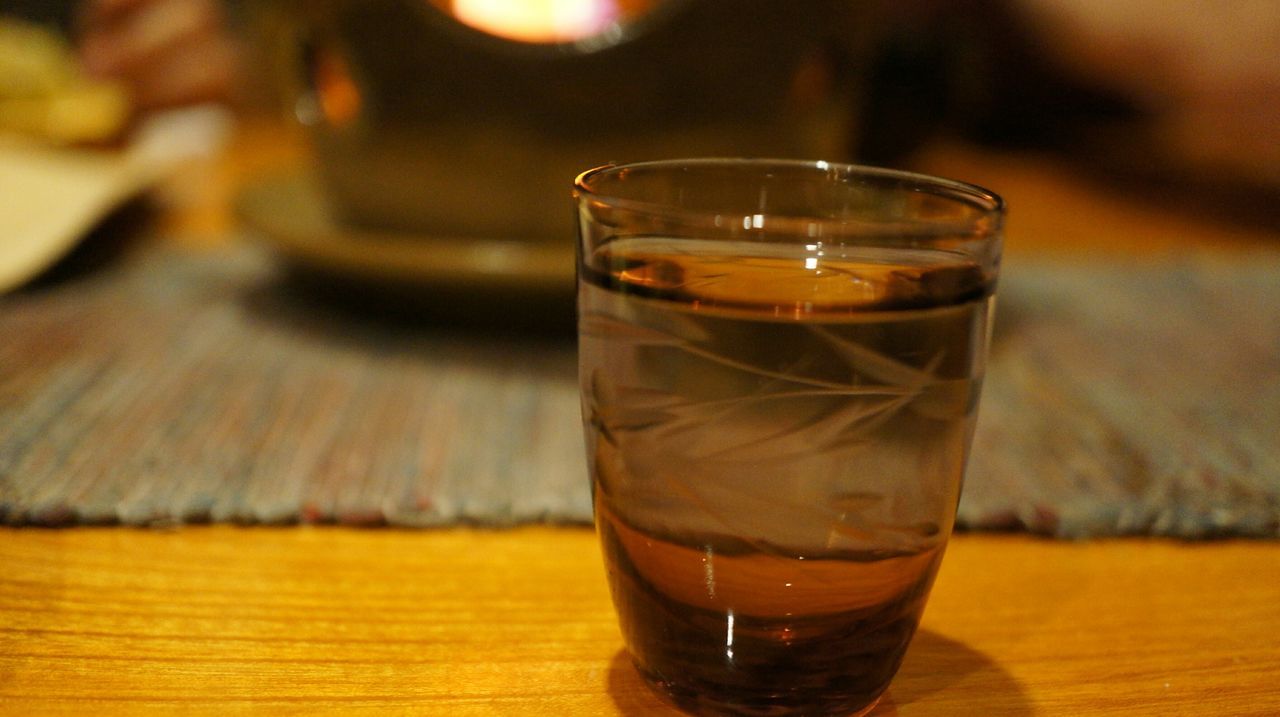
988, 205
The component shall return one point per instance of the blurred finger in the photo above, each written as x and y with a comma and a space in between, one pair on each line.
151, 28
198, 72
91, 13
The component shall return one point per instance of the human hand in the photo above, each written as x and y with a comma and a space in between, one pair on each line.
166, 52
1208, 73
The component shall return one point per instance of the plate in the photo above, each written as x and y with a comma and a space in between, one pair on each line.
290, 213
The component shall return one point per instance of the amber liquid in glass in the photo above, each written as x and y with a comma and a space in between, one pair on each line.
777, 436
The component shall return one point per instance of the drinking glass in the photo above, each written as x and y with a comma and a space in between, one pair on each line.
780, 365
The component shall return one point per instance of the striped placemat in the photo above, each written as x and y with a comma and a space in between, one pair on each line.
174, 387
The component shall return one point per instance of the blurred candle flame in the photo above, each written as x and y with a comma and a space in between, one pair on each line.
538, 20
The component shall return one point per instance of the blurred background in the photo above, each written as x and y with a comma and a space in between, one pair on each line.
419, 111
412, 159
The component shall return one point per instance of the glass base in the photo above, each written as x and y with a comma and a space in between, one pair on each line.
695, 701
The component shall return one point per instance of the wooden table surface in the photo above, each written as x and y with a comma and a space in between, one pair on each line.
465, 622
218, 619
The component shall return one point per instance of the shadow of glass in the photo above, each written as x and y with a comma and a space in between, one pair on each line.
630, 693
946, 677
939, 676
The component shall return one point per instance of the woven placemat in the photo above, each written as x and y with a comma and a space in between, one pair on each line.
172, 388
1129, 399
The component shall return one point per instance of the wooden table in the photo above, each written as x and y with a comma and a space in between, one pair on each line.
464, 622
221, 619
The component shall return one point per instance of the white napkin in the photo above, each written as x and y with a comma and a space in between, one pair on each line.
50, 197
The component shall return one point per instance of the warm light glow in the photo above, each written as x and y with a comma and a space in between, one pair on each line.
538, 20
336, 89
